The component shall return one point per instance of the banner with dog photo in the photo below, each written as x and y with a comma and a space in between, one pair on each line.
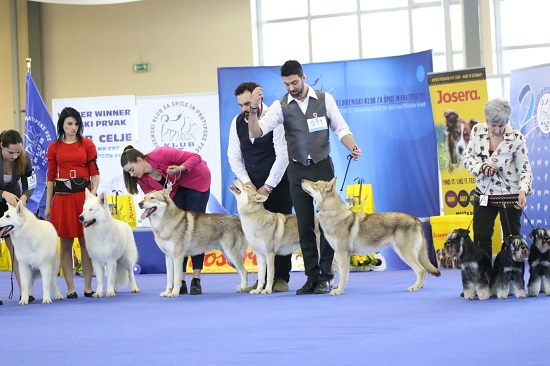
458, 99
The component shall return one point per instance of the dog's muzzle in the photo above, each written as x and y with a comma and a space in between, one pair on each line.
148, 212
5, 231
86, 223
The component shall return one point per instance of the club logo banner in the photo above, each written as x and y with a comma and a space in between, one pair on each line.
530, 101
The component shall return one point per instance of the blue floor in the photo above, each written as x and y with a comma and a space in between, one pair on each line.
375, 322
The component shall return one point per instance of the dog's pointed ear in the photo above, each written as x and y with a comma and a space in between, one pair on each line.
103, 199
19, 207
260, 198
332, 183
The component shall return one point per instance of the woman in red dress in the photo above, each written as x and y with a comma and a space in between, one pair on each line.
71, 156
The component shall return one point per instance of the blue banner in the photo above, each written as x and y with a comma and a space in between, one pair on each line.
39, 133
530, 102
386, 103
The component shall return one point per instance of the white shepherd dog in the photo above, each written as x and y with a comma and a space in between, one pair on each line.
110, 244
35, 245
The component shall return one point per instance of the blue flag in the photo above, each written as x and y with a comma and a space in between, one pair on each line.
39, 133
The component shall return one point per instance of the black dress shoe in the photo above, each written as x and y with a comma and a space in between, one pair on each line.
307, 288
72, 295
323, 287
89, 294
183, 288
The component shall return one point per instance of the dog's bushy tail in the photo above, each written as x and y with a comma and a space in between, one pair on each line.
122, 278
424, 258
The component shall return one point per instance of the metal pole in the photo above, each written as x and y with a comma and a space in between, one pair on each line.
15, 66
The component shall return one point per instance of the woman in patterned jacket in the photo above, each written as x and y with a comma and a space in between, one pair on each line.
497, 157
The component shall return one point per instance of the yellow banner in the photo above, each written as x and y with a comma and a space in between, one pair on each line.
458, 99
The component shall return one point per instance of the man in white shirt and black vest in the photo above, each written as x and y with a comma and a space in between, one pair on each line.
306, 115
262, 163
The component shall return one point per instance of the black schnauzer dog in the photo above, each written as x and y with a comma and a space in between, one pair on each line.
509, 268
539, 262
475, 264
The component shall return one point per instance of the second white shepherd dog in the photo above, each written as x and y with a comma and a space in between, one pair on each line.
111, 245
35, 245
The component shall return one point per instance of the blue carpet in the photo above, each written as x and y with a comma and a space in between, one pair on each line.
375, 322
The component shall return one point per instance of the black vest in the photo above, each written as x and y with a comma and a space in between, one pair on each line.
300, 141
259, 156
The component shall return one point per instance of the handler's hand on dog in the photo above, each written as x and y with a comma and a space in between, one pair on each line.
10, 198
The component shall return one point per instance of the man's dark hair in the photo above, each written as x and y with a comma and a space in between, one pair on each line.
292, 67
246, 86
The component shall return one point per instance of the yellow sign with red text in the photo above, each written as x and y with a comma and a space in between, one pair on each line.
458, 99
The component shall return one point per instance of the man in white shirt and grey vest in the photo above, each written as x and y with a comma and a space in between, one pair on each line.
306, 115
262, 162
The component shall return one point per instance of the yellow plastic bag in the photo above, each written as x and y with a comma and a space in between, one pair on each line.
122, 208
359, 196
5, 258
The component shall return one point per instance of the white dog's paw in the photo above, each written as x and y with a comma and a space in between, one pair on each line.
165, 293
170, 294
98, 294
47, 301
336, 291
59, 297
414, 288
134, 290
255, 291
110, 294
23, 302
266, 292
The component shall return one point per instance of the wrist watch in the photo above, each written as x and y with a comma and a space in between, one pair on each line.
268, 189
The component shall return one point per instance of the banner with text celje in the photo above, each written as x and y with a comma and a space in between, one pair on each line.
111, 123
530, 101
458, 98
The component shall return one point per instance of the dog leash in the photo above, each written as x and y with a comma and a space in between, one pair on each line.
346, 174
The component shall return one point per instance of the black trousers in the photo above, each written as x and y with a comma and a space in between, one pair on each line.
279, 201
318, 264
484, 224
191, 200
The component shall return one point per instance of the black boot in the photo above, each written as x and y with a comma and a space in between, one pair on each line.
195, 287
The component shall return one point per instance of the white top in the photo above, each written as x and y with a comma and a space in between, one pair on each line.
235, 155
274, 116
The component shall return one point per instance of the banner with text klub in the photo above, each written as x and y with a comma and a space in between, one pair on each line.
187, 122
458, 98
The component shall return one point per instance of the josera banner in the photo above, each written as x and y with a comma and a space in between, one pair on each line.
385, 102
458, 98
530, 101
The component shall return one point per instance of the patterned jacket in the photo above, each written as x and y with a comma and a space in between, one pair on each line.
510, 158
